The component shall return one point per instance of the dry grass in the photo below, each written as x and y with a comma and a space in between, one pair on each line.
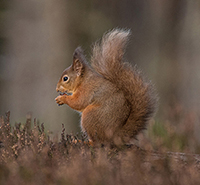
29, 156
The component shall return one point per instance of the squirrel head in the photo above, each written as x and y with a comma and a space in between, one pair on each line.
72, 77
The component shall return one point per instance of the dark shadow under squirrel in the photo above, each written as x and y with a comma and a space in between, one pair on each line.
115, 101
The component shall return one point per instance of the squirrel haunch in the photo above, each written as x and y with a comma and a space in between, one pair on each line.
115, 100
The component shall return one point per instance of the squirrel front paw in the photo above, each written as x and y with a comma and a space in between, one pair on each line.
60, 99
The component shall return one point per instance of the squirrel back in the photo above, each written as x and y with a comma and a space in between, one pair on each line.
115, 100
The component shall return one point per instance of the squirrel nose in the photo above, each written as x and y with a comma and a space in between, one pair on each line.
57, 89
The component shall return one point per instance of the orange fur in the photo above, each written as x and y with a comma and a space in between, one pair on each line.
115, 100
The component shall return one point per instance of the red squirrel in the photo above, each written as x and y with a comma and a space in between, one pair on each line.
115, 101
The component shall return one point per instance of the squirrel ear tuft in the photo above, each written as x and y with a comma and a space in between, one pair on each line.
78, 61
78, 67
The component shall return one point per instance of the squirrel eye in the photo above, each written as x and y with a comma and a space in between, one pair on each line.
65, 78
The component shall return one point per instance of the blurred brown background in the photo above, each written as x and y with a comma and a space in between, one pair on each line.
38, 37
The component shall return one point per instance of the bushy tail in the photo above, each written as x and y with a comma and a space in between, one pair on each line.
107, 60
